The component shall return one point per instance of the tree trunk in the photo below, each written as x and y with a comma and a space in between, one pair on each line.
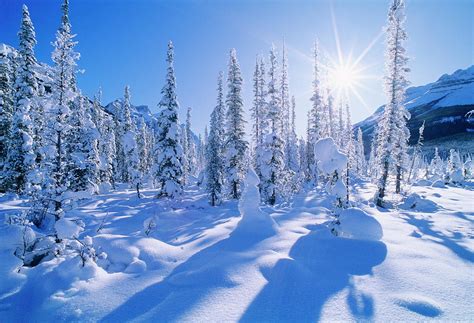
399, 180
383, 183
138, 191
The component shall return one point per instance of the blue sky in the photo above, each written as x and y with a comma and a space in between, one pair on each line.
124, 42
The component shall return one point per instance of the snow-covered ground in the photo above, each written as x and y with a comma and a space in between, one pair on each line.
195, 267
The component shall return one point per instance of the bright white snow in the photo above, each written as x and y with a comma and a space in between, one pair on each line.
408, 264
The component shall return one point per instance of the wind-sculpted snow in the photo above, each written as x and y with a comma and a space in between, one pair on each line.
410, 264
254, 221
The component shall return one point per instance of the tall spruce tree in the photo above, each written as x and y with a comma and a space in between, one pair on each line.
417, 151
81, 144
361, 164
255, 110
259, 116
190, 150
285, 105
393, 132
316, 113
142, 146
292, 144
20, 162
169, 152
236, 145
63, 95
215, 148
107, 150
272, 169
7, 104
331, 117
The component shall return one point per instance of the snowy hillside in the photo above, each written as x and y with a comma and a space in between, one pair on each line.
442, 104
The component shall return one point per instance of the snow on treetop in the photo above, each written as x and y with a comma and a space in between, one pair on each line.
330, 158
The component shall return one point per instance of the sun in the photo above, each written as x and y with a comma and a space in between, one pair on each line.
343, 76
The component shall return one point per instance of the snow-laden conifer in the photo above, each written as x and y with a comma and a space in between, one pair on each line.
393, 132
142, 146
7, 104
285, 106
82, 147
236, 144
316, 113
190, 150
292, 144
215, 148
361, 164
20, 164
62, 99
168, 171
416, 158
273, 165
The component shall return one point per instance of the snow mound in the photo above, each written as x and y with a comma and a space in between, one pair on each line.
330, 159
420, 304
439, 184
67, 229
456, 176
136, 266
254, 221
120, 253
423, 182
356, 224
419, 203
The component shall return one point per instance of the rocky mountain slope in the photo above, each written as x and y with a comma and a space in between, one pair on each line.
443, 106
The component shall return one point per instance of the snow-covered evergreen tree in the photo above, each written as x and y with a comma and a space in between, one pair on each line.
348, 138
455, 171
215, 148
20, 162
127, 138
142, 147
373, 155
436, 166
302, 158
63, 96
169, 152
259, 116
331, 117
272, 168
415, 159
360, 162
255, 110
184, 143
316, 113
310, 161
81, 145
292, 144
124, 125
393, 132
21, 157
285, 106
7, 104
200, 154
107, 151
340, 126
190, 150
236, 145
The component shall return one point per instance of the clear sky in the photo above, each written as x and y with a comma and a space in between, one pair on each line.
124, 42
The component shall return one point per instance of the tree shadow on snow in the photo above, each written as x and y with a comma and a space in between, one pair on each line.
190, 282
320, 266
425, 226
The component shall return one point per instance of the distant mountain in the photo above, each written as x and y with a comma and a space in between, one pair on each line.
443, 106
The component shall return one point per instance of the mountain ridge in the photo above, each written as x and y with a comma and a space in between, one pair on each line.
443, 106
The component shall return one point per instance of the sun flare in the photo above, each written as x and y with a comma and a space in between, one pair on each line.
343, 76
